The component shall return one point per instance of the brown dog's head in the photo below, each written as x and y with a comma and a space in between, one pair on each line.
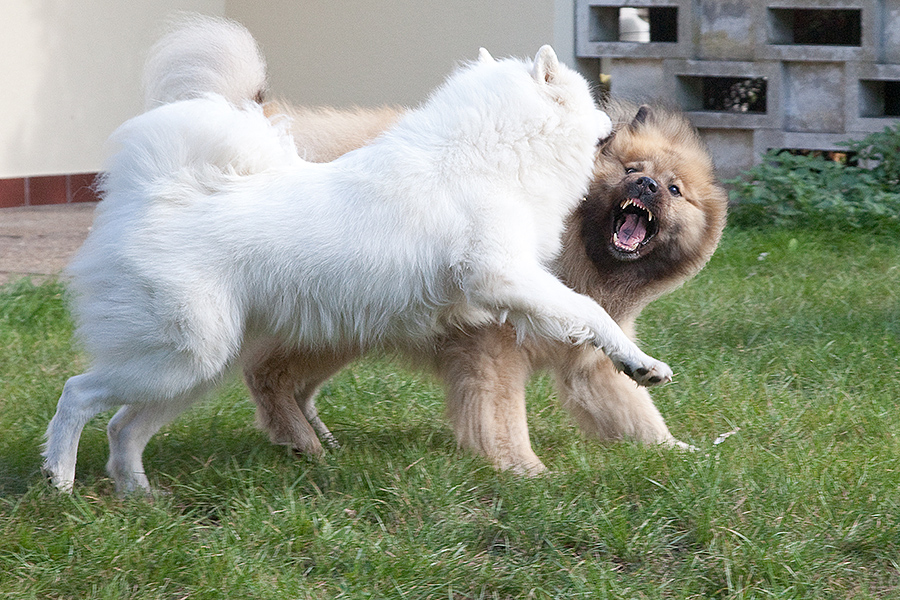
655, 211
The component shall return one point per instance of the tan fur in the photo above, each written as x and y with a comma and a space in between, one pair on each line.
323, 134
283, 384
485, 371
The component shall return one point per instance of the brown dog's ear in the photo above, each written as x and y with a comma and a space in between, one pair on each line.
641, 117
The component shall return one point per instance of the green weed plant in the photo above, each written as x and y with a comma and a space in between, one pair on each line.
797, 190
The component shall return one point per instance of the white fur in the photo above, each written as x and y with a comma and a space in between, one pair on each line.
213, 235
201, 55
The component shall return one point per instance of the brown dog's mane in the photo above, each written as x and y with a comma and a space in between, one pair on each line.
627, 286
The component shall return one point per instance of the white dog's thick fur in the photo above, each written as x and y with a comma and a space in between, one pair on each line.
214, 236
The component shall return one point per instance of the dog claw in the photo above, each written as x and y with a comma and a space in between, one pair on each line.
61, 485
656, 374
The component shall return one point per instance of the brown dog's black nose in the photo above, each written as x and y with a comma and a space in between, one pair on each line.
648, 183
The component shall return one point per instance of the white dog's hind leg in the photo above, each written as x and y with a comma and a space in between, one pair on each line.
83, 397
541, 304
129, 431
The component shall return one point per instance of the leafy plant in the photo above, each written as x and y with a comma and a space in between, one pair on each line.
791, 190
882, 148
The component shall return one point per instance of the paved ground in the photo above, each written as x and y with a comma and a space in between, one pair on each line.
39, 240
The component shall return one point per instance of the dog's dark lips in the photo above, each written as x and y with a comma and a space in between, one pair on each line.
633, 226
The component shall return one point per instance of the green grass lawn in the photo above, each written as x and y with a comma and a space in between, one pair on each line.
791, 339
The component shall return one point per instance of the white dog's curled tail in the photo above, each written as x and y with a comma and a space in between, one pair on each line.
203, 55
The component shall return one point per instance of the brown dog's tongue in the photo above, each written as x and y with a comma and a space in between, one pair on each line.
632, 231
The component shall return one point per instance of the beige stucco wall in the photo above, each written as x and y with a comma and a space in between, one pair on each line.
363, 52
70, 70
70, 74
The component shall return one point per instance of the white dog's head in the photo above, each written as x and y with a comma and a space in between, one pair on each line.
534, 122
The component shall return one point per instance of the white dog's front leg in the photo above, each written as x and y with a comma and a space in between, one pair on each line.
540, 304
83, 397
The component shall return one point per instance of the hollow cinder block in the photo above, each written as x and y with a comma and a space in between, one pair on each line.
726, 30
890, 32
730, 150
814, 97
638, 79
751, 75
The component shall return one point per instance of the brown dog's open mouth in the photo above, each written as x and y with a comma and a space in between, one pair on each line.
633, 226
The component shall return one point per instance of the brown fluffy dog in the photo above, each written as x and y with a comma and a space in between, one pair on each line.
651, 220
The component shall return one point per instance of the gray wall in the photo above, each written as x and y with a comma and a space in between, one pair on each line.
71, 73
824, 84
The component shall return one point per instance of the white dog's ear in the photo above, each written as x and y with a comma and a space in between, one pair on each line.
485, 56
546, 65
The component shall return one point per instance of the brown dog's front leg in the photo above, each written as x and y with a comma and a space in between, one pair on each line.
607, 404
485, 373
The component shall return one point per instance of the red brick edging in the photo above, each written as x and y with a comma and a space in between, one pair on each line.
47, 189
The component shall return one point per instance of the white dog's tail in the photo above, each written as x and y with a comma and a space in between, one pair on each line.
204, 125
204, 55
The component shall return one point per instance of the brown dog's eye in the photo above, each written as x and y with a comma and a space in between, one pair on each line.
673, 189
630, 170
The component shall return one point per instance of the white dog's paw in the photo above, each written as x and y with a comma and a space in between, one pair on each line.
604, 126
62, 484
683, 446
58, 476
646, 373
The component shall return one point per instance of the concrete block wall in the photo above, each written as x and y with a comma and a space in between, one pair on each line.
818, 71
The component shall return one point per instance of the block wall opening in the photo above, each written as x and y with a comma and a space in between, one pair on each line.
633, 24
815, 26
879, 98
723, 94
839, 156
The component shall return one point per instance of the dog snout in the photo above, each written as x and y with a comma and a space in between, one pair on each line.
647, 184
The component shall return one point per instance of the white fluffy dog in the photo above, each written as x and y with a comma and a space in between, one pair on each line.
213, 236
